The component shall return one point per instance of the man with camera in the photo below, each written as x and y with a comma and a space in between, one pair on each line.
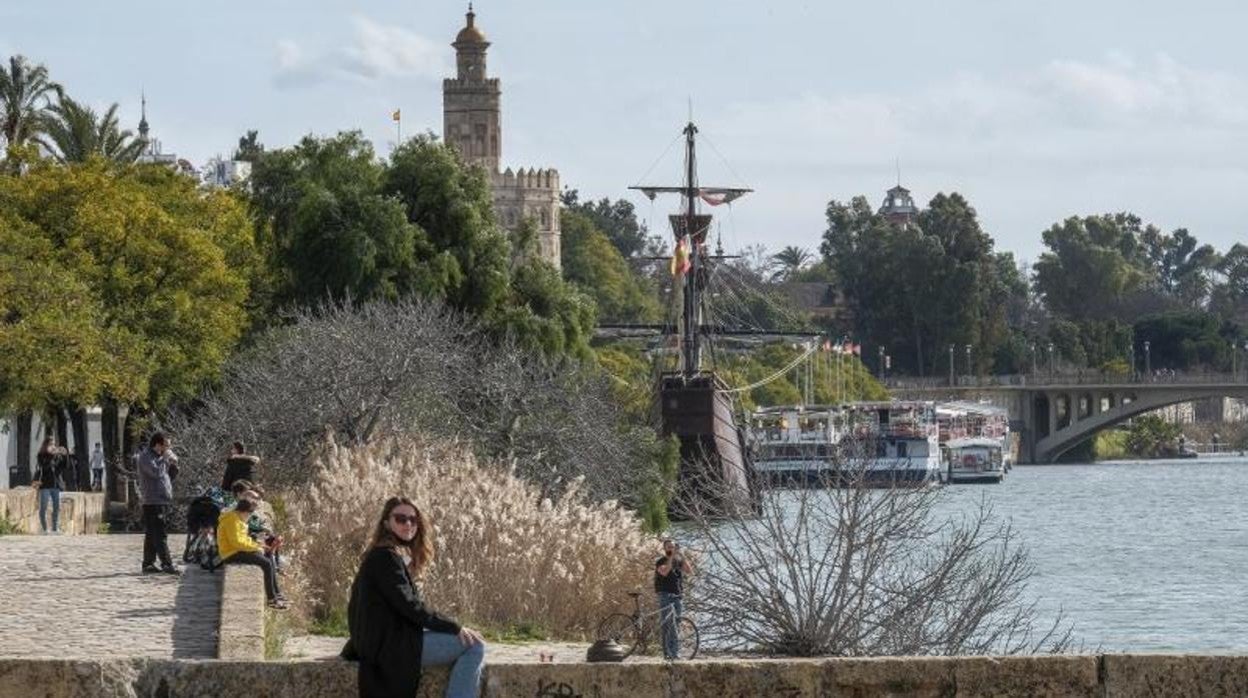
669, 576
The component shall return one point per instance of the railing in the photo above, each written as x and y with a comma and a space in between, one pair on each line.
1024, 380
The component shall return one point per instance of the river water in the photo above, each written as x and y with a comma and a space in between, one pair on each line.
1147, 556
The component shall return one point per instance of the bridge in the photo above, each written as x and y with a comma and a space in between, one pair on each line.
1053, 413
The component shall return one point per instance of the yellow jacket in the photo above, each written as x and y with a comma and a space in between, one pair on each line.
232, 535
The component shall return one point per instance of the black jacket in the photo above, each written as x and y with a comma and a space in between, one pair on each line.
50, 470
387, 621
239, 468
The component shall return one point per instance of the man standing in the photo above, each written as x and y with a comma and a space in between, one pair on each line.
157, 466
97, 468
669, 575
238, 466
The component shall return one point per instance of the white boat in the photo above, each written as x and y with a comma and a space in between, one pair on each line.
975, 420
877, 443
974, 459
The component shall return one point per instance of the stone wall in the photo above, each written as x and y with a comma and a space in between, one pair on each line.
1108, 676
81, 512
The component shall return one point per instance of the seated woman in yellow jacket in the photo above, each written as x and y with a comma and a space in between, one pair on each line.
237, 548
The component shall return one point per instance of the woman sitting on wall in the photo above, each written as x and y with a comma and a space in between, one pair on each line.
393, 633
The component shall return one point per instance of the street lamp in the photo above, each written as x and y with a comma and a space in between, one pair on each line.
969, 370
1051, 371
950, 364
1132, 373
1034, 370
1148, 358
880, 365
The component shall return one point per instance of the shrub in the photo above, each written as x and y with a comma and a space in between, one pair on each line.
506, 556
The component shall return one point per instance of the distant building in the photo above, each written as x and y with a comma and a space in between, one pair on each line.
472, 122
224, 174
152, 152
898, 207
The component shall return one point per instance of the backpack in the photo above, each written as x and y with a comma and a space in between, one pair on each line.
201, 523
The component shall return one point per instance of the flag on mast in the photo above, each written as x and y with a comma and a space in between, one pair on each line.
397, 115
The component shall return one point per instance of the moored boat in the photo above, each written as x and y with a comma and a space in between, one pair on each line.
974, 459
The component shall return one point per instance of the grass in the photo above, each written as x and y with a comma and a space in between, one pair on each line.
8, 527
277, 629
1111, 444
516, 633
333, 623
103, 528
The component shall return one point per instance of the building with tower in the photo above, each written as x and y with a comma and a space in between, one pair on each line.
898, 207
472, 122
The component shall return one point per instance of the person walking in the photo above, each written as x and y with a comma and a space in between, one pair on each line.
238, 466
669, 576
236, 547
50, 479
97, 468
393, 633
157, 466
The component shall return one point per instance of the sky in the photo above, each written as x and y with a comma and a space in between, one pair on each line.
1034, 111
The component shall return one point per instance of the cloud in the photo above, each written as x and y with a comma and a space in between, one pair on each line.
374, 52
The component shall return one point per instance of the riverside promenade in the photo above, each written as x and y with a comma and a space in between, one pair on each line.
84, 597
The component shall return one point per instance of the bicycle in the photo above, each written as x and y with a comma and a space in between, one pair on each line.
633, 630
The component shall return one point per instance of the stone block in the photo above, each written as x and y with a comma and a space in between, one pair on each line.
605, 680
1174, 675
241, 630
745, 679
81, 512
1022, 677
913, 677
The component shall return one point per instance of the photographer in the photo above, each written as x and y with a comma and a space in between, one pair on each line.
50, 479
669, 575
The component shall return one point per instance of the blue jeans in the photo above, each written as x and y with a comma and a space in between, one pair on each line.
669, 616
442, 649
47, 494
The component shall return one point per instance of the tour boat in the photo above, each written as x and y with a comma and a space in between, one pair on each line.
873, 443
974, 459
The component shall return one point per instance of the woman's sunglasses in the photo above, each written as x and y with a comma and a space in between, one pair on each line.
404, 519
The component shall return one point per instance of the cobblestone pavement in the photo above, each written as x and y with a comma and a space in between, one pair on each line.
83, 596
323, 648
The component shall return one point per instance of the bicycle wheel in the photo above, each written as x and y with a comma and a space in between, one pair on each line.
621, 628
688, 638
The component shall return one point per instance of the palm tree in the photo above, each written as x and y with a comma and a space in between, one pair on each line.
73, 132
788, 262
24, 92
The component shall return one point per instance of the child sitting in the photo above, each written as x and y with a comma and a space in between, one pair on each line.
236, 547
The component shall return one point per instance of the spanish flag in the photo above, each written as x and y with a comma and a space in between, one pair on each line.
680, 258
396, 116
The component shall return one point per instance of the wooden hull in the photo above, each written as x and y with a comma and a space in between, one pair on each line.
713, 465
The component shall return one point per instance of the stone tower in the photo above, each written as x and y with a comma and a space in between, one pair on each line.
472, 122
471, 105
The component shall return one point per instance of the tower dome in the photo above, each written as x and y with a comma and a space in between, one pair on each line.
470, 34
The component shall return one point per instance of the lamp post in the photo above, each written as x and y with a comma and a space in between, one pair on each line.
1148, 358
950, 364
1132, 373
880, 364
1051, 371
1034, 370
970, 371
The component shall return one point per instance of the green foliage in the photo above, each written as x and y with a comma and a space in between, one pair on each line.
1151, 436
596, 266
1092, 266
338, 222
1187, 340
73, 132
9, 527
331, 621
516, 633
1110, 444
617, 220
24, 90
145, 278
916, 289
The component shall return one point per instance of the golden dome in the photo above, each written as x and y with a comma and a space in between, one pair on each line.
470, 34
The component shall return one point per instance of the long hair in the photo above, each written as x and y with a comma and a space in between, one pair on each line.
420, 548
49, 445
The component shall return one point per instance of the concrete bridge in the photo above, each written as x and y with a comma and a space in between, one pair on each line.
1053, 413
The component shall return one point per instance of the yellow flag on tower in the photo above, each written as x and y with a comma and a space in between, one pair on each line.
396, 116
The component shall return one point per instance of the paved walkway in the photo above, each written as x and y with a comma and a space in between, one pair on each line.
83, 596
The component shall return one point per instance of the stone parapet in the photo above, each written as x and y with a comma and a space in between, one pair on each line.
81, 512
241, 634
1110, 676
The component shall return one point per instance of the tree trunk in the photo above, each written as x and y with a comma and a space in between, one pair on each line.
112, 450
25, 422
61, 425
130, 444
82, 450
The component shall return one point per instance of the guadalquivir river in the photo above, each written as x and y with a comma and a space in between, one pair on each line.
1142, 556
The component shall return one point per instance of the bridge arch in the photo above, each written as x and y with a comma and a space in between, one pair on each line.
1123, 404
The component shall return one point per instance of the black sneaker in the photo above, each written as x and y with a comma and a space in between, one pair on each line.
170, 569
150, 569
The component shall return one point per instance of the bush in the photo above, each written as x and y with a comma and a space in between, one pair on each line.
506, 556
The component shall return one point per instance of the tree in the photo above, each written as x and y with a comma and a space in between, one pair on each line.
1093, 266
249, 147
617, 219
73, 132
165, 268
1229, 297
853, 571
24, 93
594, 265
789, 261
1181, 266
